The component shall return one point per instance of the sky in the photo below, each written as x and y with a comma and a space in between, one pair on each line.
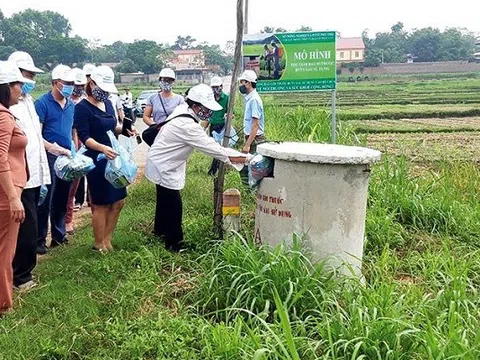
214, 20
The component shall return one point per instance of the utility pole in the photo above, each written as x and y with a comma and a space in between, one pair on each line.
218, 182
245, 22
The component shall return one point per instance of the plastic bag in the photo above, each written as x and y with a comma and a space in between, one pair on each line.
219, 137
43, 194
258, 168
121, 171
74, 167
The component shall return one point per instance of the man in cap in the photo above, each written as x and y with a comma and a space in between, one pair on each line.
55, 110
217, 120
26, 251
127, 99
253, 120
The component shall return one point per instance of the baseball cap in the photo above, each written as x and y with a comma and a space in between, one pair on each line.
216, 81
24, 61
10, 73
105, 79
167, 73
79, 76
62, 72
88, 68
249, 75
203, 94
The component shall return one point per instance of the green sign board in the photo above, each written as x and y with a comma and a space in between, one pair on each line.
286, 62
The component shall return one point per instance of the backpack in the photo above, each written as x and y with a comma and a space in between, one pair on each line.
280, 51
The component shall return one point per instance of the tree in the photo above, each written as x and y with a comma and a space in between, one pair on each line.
184, 42
215, 56
45, 35
268, 30
304, 28
126, 66
146, 55
280, 30
425, 44
456, 44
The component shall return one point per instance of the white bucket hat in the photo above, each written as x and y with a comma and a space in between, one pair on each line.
10, 73
105, 79
203, 94
167, 73
24, 61
79, 76
88, 68
248, 75
216, 81
62, 72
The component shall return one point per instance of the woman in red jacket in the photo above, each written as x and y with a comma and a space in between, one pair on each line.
13, 177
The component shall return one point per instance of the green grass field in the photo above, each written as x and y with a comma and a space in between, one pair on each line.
233, 300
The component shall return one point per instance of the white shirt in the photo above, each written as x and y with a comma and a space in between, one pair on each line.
116, 103
128, 100
167, 158
37, 161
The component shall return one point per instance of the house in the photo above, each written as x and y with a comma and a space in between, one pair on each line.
187, 59
350, 50
189, 65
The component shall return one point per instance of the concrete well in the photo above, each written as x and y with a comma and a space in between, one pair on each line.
318, 192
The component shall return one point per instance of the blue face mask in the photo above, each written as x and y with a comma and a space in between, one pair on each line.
67, 90
28, 88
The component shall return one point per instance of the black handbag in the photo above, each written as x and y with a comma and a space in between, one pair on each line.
151, 133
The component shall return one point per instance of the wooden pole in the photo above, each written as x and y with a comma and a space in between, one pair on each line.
237, 67
245, 31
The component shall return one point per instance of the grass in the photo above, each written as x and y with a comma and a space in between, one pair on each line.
235, 300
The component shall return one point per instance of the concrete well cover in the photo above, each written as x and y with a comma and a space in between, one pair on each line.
319, 153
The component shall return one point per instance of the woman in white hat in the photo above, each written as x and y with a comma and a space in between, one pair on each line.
94, 117
160, 106
167, 159
13, 176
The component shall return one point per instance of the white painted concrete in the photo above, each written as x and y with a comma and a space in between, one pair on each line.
319, 153
319, 193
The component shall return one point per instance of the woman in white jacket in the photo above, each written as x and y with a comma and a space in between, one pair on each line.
167, 159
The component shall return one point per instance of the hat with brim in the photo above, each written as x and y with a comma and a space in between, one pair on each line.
24, 62
105, 79
10, 73
203, 94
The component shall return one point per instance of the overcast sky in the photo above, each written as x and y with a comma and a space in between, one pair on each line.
214, 20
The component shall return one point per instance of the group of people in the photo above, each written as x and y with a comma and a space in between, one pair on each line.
272, 58
81, 108
77, 110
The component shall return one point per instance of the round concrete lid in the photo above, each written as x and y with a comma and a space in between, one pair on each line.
319, 153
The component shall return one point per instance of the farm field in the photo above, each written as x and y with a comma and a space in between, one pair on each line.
234, 300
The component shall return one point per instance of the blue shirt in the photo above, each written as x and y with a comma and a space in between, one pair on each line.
253, 109
57, 122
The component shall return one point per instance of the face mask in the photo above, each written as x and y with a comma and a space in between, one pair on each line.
203, 114
66, 91
99, 95
78, 91
27, 88
243, 89
217, 91
165, 86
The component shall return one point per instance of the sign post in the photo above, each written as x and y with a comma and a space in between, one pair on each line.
294, 62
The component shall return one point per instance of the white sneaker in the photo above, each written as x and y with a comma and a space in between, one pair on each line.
29, 285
